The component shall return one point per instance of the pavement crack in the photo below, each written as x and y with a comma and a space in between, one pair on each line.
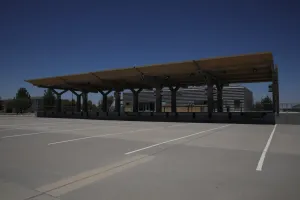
48, 192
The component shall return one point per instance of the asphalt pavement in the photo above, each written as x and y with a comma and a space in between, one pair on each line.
75, 159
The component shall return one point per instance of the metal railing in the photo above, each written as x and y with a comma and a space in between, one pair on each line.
289, 107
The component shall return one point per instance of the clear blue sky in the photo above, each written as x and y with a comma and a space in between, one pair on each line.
40, 38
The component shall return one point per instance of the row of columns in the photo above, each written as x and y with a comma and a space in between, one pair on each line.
84, 96
158, 104
158, 98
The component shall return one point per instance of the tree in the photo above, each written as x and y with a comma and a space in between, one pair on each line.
49, 99
22, 100
99, 106
94, 107
1, 104
257, 106
68, 105
267, 103
90, 104
67, 102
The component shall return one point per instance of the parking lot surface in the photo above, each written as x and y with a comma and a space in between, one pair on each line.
75, 159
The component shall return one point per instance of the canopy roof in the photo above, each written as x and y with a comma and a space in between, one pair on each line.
246, 68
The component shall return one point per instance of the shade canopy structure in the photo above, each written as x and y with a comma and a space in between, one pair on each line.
248, 68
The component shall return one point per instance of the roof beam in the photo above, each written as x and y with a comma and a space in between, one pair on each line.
248, 65
204, 73
72, 85
59, 87
65, 81
168, 81
121, 84
110, 85
154, 80
142, 75
96, 76
249, 80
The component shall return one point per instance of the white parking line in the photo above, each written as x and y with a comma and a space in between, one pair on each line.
51, 131
65, 124
168, 141
87, 122
97, 136
32, 124
263, 155
111, 134
24, 127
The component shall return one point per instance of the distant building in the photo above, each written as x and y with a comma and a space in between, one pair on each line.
192, 99
7, 105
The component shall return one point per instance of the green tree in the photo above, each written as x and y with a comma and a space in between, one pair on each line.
90, 104
94, 107
1, 104
257, 106
49, 99
267, 103
99, 106
66, 102
68, 105
22, 100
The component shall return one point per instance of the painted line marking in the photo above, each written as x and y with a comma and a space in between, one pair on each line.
96, 136
23, 127
50, 131
263, 155
180, 138
111, 134
66, 122
32, 124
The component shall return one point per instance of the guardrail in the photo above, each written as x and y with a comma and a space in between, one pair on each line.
230, 117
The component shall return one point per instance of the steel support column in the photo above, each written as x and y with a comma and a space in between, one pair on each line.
210, 96
277, 90
220, 97
135, 96
58, 103
78, 103
274, 98
117, 101
78, 100
158, 101
85, 101
173, 98
58, 99
104, 100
